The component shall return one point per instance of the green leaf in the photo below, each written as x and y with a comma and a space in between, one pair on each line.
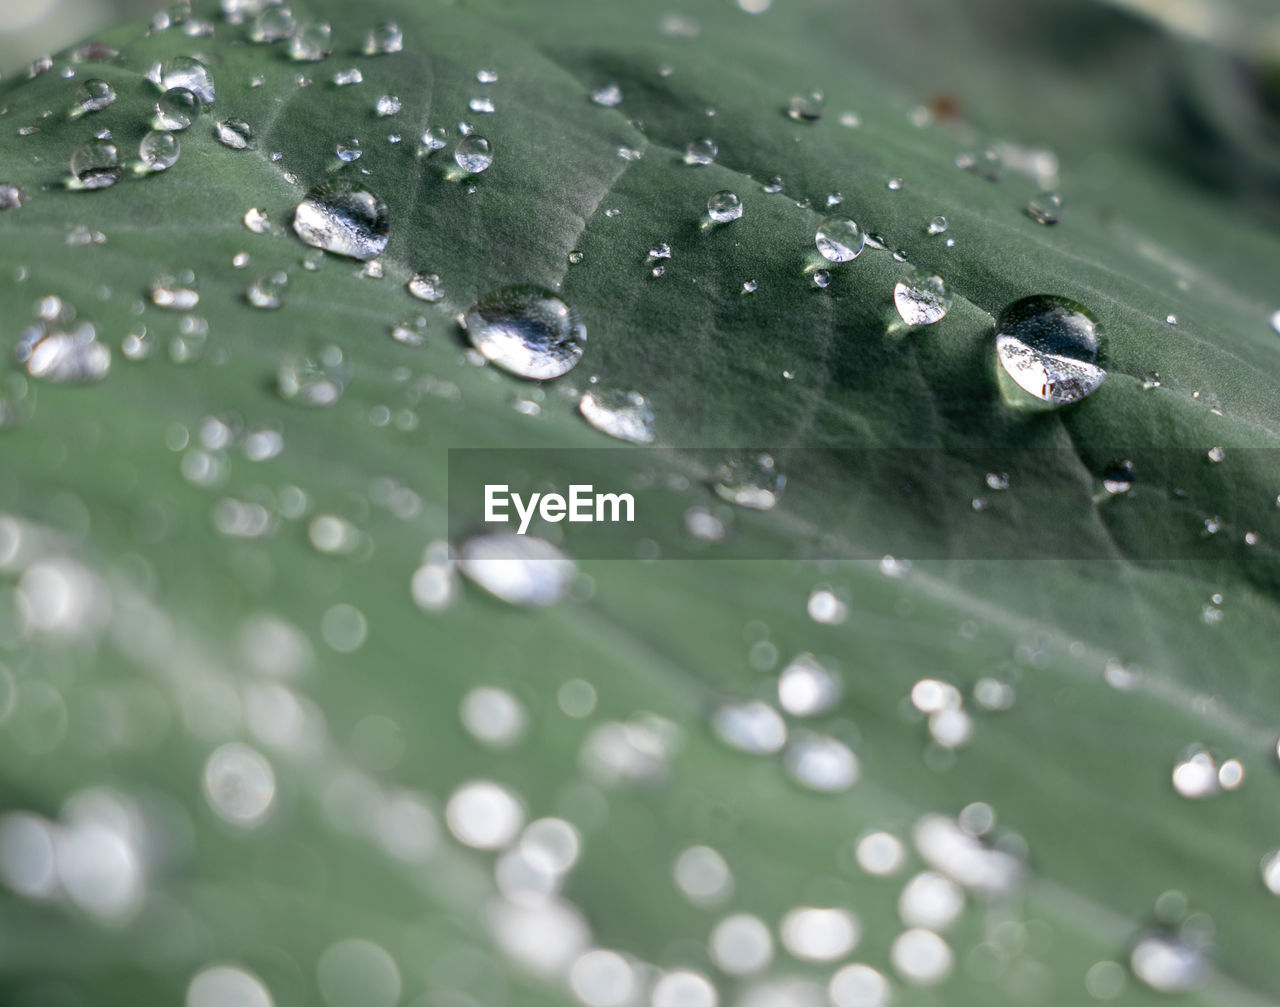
165, 594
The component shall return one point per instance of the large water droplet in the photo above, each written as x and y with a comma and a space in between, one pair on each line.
519, 569
183, 71
176, 109
750, 480
724, 206
234, 133
702, 151
839, 239
473, 154
622, 414
1048, 347
343, 217
96, 165
528, 331
922, 298
158, 150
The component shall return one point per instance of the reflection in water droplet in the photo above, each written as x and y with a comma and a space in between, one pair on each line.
1119, 476
94, 95
750, 480
724, 206
1048, 346
622, 414
528, 331
1045, 208
519, 569
702, 151
158, 150
234, 133
183, 71
1168, 964
839, 239
239, 784
806, 107
923, 298
473, 154
176, 109
343, 217
95, 164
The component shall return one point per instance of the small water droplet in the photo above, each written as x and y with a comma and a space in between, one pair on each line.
938, 225
158, 150
1275, 322
473, 154
257, 221
923, 298
387, 105
622, 414
724, 206
313, 379
348, 77
751, 726
189, 73
850, 120
1048, 346
434, 139
822, 278
271, 24
348, 150
894, 184
839, 239
1045, 208
1216, 454
234, 133
608, 95
749, 286
660, 251
311, 42
343, 217
1196, 776
576, 257
773, 185
426, 287
519, 569
268, 291
383, 39
750, 479
485, 106
703, 151
96, 165
11, 196
1119, 476
176, 109
176, 292
807, 687
528, 331
487, 76
1168, 964
93, 95
921, 957
58, 349
806, 107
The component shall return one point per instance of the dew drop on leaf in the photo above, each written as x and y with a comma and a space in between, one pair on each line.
1168, 964
313, 379
703, 151
346, 78
938, 225
344, 217
528, 331
11, 196
473, 154
724, 206
388, 105
234, 133
806, 107
62, 350
1119, 476
1048, 347
189, 73
383, 39
348, 150
257, 221
822, 278
622, 414
271, 24
608, 95
311, 42
923, 298
158, 150
176, 109
839, 239
519, 569
176, 292
95, 164
268, 291
1045, 208
94, 95
750, 480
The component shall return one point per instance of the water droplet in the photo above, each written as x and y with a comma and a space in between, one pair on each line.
752, 727
234, 133
268, 291
576, 257
1196, 776
880, 853
1275, 322
483, 815
839, 239
921, 957
239, 784
827, 608
608, 95
383, 39
220, 985
773, 185
894, 184
750, 480
819, 935
519, 569
807, 687
273, 23
311, 42
1119, 476
684, 989
473, 154
348, 77
724, 206
749, 286
528, 331
1045, 208
189, 73
158, 150
94, 95
175, 291
858, 986
343, 217
930, 900
348, 150
1216, 454
603, 979
176, 109
660, 251
938, 225
11, 196
741, 944
487, 76
313, 379
702, 876
96, 165
1048, 347
1168, 964
823, 764
388, 104
483, 105
60, 350
806, 107
357, 973
923, 298
702, 151
434, 139
493, 716
257, 221
822, 278
621, 414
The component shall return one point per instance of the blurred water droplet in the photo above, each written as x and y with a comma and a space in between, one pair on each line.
930, 900
741, 945
271, 24
528, 331
938, 225
1119, 476
519, 569
1168, 964
1216, 454
388, 105
311, 42
880, 853
806, 107
601, 978
702, 151
93, 95
176, 109
819, 935
1048, 347
921, 957
724, 206
483, 815
348, 77
839, 239
158, 150
239, 784
894, 184
343, 217
1045, 208
807, 688
608, 95
473, 154
751, 726
923, 298
95, 164
493, 716
858, 986
822, 278
313, 379
175, 291
268, 291
822, 763
1196, 776
189, 73
234, 133
750, 480
11, 196
58, 349
622, 414
684, 989
256, 220
383, 39
357, 973
223, 985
